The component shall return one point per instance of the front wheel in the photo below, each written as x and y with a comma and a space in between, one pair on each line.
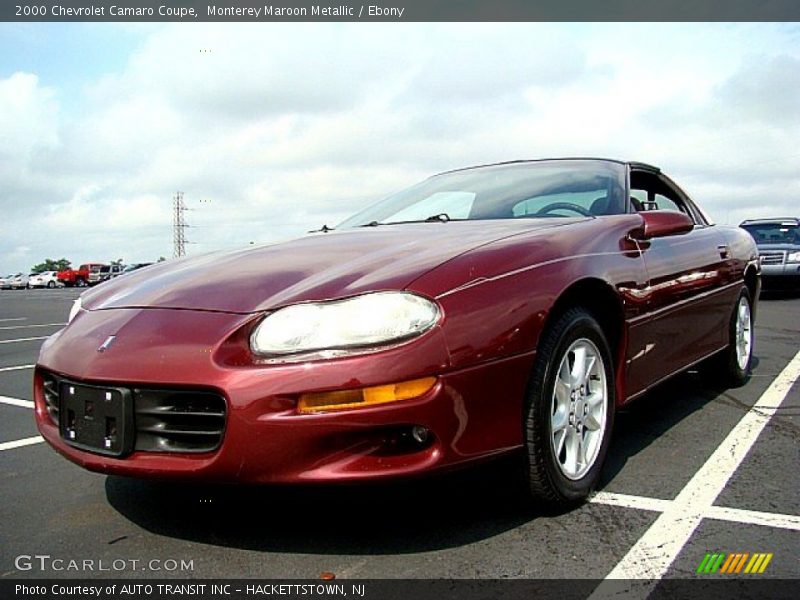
569, 410
51, 284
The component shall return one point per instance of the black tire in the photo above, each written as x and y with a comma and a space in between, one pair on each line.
547, 482
723, 369
51, 284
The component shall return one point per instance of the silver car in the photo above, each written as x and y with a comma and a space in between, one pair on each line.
778, 242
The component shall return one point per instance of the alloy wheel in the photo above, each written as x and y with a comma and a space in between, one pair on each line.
744, 333
578, 410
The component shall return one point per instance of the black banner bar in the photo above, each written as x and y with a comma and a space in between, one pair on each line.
715, 586
254, 11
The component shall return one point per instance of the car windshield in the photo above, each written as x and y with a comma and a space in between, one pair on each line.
563, 188
774, 233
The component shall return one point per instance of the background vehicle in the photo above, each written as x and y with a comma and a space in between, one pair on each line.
132, 267
778, 242
79, 277
19, 281
47, 279
5, 281
104, 273
501, 309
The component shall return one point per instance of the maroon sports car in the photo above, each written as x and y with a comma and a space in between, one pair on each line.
490, 310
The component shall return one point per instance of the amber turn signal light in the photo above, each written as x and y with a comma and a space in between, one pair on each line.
380, 394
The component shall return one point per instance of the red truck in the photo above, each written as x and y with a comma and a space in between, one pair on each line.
79, 277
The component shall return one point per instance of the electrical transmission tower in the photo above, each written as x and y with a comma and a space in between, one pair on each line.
179, 240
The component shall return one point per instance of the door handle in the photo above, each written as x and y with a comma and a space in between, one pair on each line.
723, 250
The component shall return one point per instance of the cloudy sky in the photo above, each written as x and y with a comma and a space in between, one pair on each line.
274, 129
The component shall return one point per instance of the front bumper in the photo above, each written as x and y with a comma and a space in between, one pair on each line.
782, 270
785, 275
472, 413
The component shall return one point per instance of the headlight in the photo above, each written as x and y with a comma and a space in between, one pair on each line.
361, 321
76, 308
793, 257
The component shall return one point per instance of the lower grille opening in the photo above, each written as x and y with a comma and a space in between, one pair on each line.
50, 389
164, 420
178, 421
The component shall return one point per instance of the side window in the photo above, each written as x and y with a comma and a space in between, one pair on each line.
664, 203
650, 192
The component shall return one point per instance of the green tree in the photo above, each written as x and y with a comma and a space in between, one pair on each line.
51, 265
161, 259
116, 262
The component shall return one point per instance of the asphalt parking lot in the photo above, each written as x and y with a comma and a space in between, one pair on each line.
673, 490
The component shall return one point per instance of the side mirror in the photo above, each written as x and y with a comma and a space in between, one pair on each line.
661, 223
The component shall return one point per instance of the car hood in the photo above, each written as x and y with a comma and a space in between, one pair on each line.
314, 267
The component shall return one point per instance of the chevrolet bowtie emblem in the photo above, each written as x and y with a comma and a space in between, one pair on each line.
107, 344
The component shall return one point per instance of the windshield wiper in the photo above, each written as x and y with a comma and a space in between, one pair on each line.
323, 229
440, 218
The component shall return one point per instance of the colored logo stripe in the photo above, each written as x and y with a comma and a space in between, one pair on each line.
720, 562
711, 562
758, 563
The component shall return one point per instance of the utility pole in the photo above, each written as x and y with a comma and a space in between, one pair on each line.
178, 226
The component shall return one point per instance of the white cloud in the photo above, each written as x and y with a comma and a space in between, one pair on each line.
280, 128
28, 116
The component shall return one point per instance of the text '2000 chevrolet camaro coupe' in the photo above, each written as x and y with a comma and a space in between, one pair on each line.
490, 310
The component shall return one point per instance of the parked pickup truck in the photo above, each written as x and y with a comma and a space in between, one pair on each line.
79, 277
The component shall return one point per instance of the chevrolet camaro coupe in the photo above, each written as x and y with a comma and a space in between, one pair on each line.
508, 308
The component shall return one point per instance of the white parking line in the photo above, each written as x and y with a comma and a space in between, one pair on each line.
17, 368
26, 326
16, 402
654, 552
28, 339
627, 501
754, 517
14, 319
720, 513
37, 439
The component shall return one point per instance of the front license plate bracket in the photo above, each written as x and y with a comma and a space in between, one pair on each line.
96, 419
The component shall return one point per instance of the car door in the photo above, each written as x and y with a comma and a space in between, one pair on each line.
686, 304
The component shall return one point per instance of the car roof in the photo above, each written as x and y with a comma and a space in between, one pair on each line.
771, 221
630, 163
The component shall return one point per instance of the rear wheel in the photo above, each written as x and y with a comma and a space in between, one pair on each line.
731, 367
570, 410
